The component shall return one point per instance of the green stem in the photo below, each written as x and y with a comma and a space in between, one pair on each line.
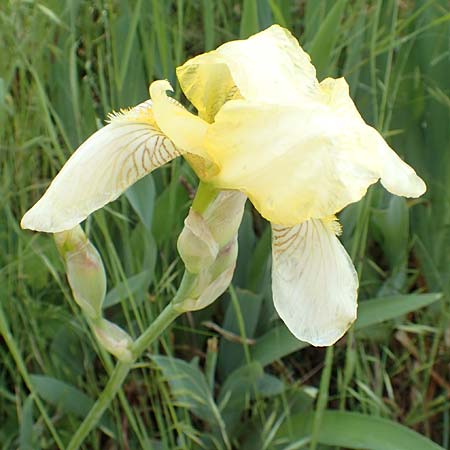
206, 193
120, 372
323, 397
112, 387
167, 316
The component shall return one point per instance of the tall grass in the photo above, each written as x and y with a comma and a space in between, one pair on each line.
230, 376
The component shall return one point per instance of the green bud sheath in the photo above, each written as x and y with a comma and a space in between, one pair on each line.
208, 247
113, 339
197, 247
85, 271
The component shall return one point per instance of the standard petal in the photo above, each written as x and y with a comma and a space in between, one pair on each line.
336, 94
104, 166
207, 83
271, 66
185, 129
396, 176
314, 282
293, 162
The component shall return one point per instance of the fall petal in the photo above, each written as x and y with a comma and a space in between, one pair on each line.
271, 65
314, 282
104, 166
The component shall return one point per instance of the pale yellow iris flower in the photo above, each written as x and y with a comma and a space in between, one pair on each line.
297, 148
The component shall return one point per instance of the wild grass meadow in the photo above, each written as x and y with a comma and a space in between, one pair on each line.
230, 376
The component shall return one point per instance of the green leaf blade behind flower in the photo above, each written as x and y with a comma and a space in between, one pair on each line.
325, 39
142, 195
67, 398
354, 430
249, 18
279, 342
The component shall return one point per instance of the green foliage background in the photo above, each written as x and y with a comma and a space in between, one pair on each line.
230, 376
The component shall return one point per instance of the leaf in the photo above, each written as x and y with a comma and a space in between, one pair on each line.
67, 350
208, 24
189, 387
52, 16
354, 52
265, 18
133, 285
172, 205
249, 18
355, 430
26, 441
269, 385
279, 342
326, 37
141, 195
258, 264
372, 312
393, 224
241, 386
143, 250
275, 344
67, 398
246, 243
232, 353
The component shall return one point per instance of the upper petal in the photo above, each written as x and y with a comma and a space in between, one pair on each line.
104, 166
185, 129
269, 66
310, 160
396, 176
314, 282
207, 83
294, 163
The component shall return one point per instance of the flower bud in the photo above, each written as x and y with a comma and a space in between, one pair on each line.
113, 339
224, 215
208, 246
212, 281
85, 271
205, 233
196, 244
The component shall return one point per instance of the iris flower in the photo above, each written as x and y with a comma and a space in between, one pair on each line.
268, 129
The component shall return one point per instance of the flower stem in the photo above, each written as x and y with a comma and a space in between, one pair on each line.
322, 400
120, 372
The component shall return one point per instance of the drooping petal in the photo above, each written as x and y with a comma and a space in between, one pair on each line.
294, 163
104, 166
314, 282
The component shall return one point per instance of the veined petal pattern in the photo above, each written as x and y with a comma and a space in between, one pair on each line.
104, 166
314, 282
